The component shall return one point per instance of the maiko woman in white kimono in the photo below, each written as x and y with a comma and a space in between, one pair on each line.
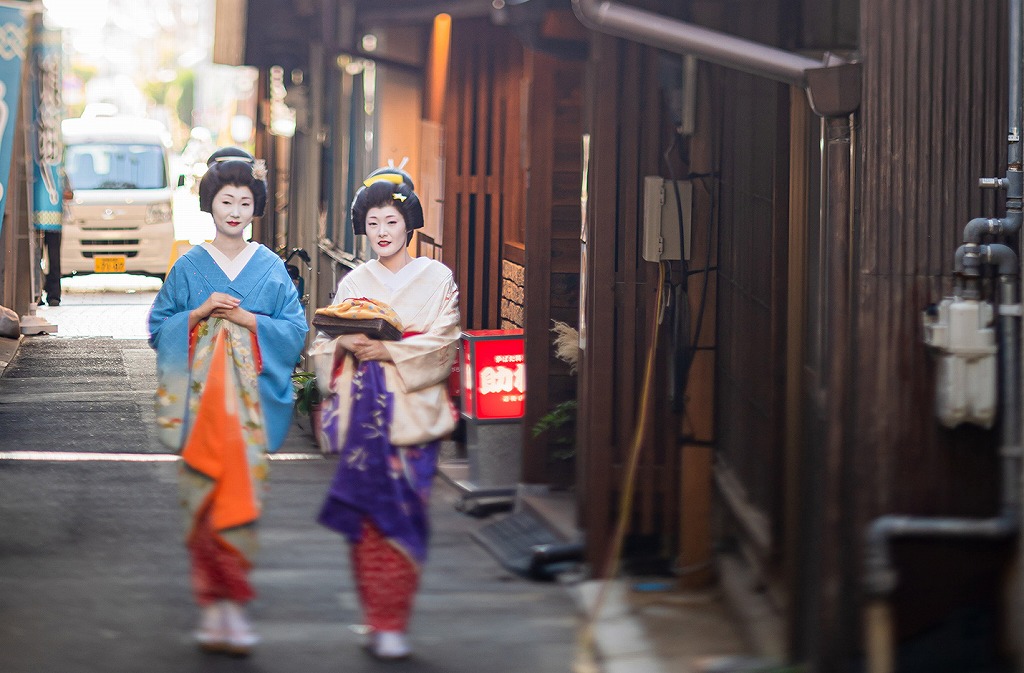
228, 330
386, 407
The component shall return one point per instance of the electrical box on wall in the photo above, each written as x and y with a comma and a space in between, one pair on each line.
663, 223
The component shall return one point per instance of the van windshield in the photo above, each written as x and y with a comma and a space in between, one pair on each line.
115, 166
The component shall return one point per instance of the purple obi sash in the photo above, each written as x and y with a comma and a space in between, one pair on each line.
375, 479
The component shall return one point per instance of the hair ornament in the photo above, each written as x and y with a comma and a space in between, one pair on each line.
233, 158
393, 178
387, 185
235, 166
259, 169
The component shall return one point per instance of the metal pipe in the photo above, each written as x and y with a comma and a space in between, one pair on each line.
1003, 258
967, 263
681, 37
980, 227
880, 576
958, 276
1016, 49
1010, 345
969, 258
1013, 183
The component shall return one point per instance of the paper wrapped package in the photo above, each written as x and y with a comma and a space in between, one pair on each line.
359, 315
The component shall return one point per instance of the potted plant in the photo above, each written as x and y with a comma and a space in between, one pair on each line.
307, 400
559, 423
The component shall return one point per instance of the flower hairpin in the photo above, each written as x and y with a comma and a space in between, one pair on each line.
399, 197
259, 169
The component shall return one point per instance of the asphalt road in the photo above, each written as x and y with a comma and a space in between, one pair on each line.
93, 574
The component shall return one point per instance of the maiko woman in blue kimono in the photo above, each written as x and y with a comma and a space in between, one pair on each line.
228, 330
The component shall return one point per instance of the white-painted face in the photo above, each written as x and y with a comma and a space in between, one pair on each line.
232, 210
385, 227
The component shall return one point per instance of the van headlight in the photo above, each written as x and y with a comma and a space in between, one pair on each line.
158, 212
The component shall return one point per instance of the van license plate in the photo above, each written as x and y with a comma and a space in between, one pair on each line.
109, 264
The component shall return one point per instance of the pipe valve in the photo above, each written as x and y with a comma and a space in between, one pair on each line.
993, 183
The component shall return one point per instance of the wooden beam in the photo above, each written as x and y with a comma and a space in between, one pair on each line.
597, 381
540, 73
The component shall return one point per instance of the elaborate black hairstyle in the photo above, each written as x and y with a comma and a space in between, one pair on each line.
232, 166
388, 186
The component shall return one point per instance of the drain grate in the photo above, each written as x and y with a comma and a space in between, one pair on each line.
511, 540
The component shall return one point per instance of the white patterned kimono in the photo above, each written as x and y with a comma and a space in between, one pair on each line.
425, 297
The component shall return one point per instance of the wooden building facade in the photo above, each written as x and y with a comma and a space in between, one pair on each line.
922, 145
791, 397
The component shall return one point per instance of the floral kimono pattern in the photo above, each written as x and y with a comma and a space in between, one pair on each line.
385, 420
224, 400
224, 461
376, 480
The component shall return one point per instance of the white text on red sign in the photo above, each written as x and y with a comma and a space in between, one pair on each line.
501, 379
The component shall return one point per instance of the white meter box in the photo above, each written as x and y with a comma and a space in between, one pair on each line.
964, 338
662, 219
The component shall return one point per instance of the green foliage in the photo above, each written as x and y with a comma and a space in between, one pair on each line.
156, 91
177, 95
307, 395
560, 422
185, 85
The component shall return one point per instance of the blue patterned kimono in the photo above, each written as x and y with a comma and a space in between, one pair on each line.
266, 290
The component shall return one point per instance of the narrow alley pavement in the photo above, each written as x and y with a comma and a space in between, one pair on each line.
93, 573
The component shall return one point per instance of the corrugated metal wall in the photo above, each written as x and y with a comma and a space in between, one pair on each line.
933, 121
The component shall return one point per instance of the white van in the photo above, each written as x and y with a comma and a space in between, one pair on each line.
121, 217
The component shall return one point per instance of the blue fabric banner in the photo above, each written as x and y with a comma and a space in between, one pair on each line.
13, 42
47, 185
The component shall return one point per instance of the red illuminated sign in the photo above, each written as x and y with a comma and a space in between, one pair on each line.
493, 374
455, 378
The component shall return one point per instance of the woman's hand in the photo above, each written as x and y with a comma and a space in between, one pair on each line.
237, 315
221, 305
364, 348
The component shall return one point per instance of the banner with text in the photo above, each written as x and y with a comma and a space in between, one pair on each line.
47, 186
13, 42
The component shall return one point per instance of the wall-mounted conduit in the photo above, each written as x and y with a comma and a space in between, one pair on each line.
971, 262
